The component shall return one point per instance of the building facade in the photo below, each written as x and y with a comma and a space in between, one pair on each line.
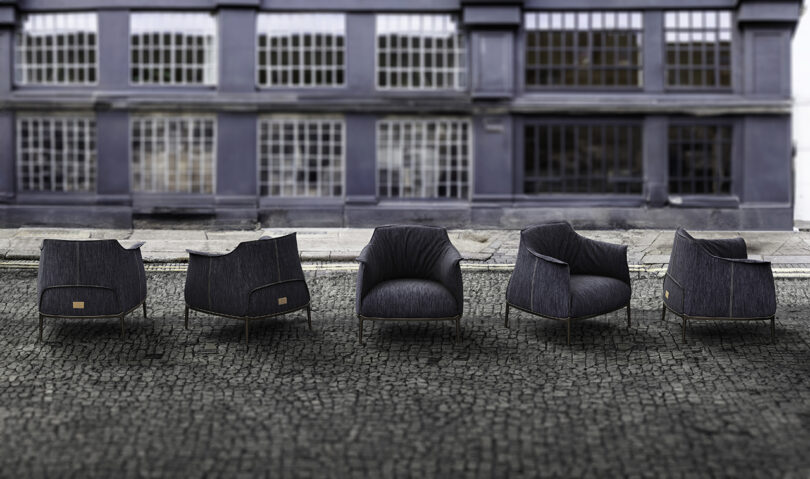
619, 113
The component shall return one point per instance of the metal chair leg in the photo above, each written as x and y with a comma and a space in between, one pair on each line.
186, 316
41, 318
663, 312
506, 318
773, 329
246, 333
458, 329
683, 329
568, 324
628, 315
360, 330
144, 310
309, 318
122, 326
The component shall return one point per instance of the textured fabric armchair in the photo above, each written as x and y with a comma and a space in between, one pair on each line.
90, 279
562, 275
257, 280
409, 273
714, 279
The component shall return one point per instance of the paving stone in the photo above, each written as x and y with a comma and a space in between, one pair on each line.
500, 402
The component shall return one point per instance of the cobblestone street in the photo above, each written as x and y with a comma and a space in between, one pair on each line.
411, 402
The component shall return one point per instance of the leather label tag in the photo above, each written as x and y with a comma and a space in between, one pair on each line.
666, 294
282, 300
78, 305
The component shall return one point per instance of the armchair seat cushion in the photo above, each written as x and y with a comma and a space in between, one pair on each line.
409, 298
592, 295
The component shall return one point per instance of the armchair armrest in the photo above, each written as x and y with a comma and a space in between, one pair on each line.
447, 271
733, 288
136, 246
204, 253
540, 284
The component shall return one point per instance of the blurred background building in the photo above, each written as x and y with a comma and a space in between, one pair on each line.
621, 113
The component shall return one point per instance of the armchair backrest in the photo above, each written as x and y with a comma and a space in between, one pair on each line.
264, 261
93, 263
583, 255
690, 255
409, 251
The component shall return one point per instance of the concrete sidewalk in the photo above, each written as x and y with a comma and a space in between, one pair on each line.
494, 247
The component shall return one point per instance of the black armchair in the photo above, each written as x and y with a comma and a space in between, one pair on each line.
562, 275
409, 273
257, 280
89, 279
714, 279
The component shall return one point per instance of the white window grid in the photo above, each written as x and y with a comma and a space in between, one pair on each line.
420, 52
424, 158
173, 153
300, 50
57, 49
173, 48
301, 156
56, 153
698, 48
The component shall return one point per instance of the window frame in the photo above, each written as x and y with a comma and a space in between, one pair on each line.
298, 118
606, 199
215, 63
17, 58
734, 58
466, 72
523, 46
303, 86
401, 119
92, 161
134, 116
735, 176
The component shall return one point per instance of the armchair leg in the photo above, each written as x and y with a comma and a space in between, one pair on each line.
683, 329
246, 333
458, 329
773, 329
628, 315
360, 330
144, 310
122, 326
41, 318
663, 312
568, 326
186, 316
309, 318
506, 318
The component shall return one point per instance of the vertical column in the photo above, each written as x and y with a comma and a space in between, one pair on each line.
361, 159
113, 49
237, 49
654, 48
493, 157
656, 167
112, 143
361, 44
7, 18
236, 159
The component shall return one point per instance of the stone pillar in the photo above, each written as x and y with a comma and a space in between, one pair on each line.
7, 23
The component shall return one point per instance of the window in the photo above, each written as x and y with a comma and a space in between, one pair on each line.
56, 153
590, 158
569, 49
419, 158
301, 50
698, 49
173, 48
700, 159
300, 156
173, 153
420, 52
57, 49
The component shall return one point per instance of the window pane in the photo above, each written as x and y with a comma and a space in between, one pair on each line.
57, 49
170, 44
698, 46
570, 50
700, 159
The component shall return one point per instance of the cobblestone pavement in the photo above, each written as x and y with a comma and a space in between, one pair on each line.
411, 402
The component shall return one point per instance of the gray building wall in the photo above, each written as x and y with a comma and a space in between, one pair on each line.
497, 102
